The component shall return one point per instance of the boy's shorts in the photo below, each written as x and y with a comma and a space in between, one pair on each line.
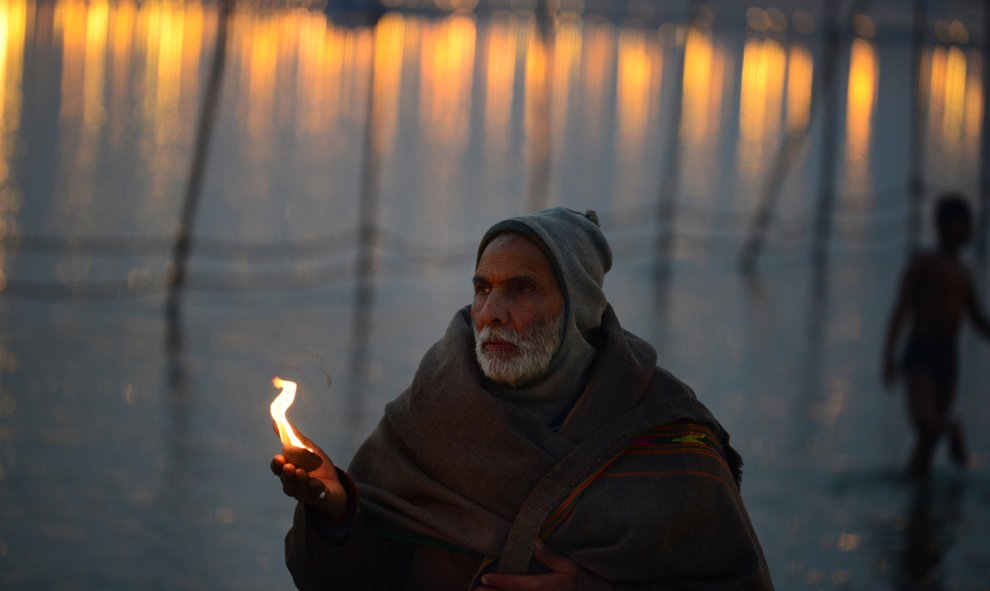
940, 360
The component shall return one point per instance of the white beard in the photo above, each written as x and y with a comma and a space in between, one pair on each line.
535, 348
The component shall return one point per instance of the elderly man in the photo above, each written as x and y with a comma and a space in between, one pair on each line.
538, 447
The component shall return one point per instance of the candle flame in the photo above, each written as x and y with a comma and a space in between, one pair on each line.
281, 404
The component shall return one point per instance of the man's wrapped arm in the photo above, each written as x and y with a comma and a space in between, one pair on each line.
324, 555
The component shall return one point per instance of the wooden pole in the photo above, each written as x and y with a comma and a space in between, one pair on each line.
789, 148
539, 113
194, 186
670, 178
826, 186
368, 233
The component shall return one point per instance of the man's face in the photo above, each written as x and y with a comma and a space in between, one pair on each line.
517, 310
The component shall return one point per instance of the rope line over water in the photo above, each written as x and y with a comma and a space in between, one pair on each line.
701, 234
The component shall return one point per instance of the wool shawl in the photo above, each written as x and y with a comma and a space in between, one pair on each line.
629, 488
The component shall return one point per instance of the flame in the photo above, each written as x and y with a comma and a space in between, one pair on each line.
281, 404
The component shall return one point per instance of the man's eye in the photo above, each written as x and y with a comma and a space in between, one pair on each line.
482, 289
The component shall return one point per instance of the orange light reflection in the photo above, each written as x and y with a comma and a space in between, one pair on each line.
446, 68
97, 21
974, 103
860, 107
705, 67
447, 64
389, 48
955, 111
500, 75
800, 73
537, 68
704, 81
955, 93
260, 49
78, 148
163, 28
13, 23
70, 21
122, 23
596, 72
760, 102
936, 67
637, 65
567, 49
318, 69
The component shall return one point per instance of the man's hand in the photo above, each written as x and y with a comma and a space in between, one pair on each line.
320, 488
563, 575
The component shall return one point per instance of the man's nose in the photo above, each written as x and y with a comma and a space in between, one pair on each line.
495, 311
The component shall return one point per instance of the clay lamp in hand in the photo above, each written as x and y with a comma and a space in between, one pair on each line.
295, 451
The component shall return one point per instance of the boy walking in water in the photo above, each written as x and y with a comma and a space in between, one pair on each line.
936, 295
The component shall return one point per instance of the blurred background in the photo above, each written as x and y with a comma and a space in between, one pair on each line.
197, 196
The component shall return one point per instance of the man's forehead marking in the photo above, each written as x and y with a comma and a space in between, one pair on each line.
478, 278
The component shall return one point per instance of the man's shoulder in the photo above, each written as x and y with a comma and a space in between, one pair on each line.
666, 380
681, 448
670, 399
678, 436
685, 425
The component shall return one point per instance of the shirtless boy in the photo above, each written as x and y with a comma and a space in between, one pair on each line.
936, 295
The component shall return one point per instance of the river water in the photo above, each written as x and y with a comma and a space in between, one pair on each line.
353, 165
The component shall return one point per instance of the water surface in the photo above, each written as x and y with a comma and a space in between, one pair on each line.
353, 167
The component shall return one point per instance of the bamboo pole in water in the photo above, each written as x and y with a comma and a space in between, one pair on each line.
789, 148
826, 186
194, 186
539, 121
670, 178
368, 234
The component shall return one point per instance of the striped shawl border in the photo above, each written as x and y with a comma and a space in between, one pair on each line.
673, 439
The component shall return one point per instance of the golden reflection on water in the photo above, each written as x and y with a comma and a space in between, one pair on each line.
313, 84
446, 54
536, 114
94, 110
13, 23
861, 93
955, 94
596, 76
390, 42
170, 36
447, 63
122, 22
131, 82
760, 103
705, 73
71, 20
704, 84
566, 72
800, 73
955, 107
501, 55
640, 66
258, 47
973, 117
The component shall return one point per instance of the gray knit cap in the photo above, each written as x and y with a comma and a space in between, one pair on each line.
577, 250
